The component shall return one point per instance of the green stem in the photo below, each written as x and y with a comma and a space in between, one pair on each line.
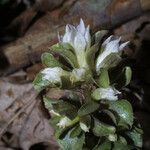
74, 121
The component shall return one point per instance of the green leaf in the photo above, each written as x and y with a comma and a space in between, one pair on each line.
69, 56
123, 110
67, 46
135, 137
112, 137
69, 143
103, 79
90, 56
53, 122
59, 132
49, 60
52, 77
61, 107
85, 123
122, 140
110, 61
124, 78
88, 108
99, 35
111, 115
65, 108
48, 103
102, 129
103, 146
120, 146
73, 96
39, 83
128, 75
76, 131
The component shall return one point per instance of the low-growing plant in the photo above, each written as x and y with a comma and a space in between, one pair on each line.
92, 114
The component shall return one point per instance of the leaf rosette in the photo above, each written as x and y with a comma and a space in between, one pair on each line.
93, 114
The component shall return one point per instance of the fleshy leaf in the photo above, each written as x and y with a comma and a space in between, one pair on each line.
103, 79
90, 56
69, 143
99, 35
112, 137
39, 83
69, 56
102, 129
122, 140
49, 60
65, 108
135, 137
128, 75
48, 103
109, 61
51, 77
120, 146
109, 93
57, 131
111, 115
88, 108
124, 111
124, 78
106, 145
59, 107
76, 131
85, 123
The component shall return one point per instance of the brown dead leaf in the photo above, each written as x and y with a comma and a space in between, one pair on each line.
23, 121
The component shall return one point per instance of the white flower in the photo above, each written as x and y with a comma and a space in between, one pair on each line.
106, 93
110, 45
78, 75
52, 74
109, 93
84, 127
53, 113
64, 122
79, 38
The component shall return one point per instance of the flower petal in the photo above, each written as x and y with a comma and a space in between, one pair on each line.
67, 37
79, 43
52, 74
109, 93
107, 40
113, 46
123, 45
88, 37
69, 34
81, 27
64, 122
